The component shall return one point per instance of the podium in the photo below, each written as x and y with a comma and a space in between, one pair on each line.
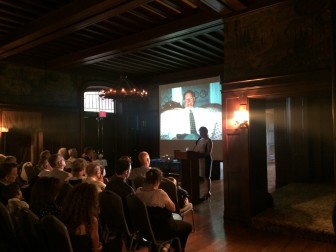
189, 173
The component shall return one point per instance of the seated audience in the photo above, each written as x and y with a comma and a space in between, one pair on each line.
12, 194
95, 176
80, 215
118, 184
160, 208
57, 162
78, 169
89, 154
43, 197
44, 155
73, 155
64, 152
144, 161
8, 175
45, 168
2, 158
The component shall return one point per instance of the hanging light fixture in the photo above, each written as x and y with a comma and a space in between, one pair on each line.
125, 89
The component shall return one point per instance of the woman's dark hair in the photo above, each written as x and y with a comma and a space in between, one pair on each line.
153, 176
80, 206
44, 193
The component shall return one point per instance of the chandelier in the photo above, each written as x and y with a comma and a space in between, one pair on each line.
125, 89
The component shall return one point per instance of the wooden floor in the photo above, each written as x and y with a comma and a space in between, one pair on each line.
212, 234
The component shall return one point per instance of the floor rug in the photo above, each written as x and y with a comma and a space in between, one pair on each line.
304, 210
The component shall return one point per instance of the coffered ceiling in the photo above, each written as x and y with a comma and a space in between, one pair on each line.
141, 38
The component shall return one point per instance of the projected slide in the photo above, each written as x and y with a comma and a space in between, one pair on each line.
187, 106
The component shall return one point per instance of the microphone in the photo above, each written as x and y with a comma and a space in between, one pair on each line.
197, 142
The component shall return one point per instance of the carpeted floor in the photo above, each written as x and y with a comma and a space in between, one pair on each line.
303, 210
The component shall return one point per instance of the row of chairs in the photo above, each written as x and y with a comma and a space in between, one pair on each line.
113, 215
24, 231
171, 189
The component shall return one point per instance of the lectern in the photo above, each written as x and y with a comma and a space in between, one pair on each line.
190, 173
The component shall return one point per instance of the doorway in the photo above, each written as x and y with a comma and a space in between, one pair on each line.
271, 174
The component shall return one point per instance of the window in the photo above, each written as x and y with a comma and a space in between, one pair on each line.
94, 103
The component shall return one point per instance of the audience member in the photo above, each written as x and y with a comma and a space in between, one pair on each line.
10, 159
64, 152
144, 161
78, 169
117, 182
94, 176
160, 208
73, 155
44, 155
12, 194
89, 154
8, 175
43, 196
45, 168
57, 162
80, 215
2, 158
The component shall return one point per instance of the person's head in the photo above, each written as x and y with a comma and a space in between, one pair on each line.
2, 158
10, 159
189, 99
8, 172
144, 159
45, 154
93, 170
73, 153
203, 131
123, 167
44, 165
153, 176
63, 151
57, 161
89, 151
78, 167
80, 206
44, 192
172, 179
11, 191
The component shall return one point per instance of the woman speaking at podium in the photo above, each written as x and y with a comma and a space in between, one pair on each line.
204, 146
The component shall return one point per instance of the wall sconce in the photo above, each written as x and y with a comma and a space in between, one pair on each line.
4, 129
241, 116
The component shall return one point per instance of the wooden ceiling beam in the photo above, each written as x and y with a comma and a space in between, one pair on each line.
71, 18
186, 27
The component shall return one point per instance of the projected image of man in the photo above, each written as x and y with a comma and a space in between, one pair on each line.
181, 123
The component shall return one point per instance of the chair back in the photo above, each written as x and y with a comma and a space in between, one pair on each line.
28, 230
56, 234
140, 218
170, 188
112, 212
141, 221
8, 238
